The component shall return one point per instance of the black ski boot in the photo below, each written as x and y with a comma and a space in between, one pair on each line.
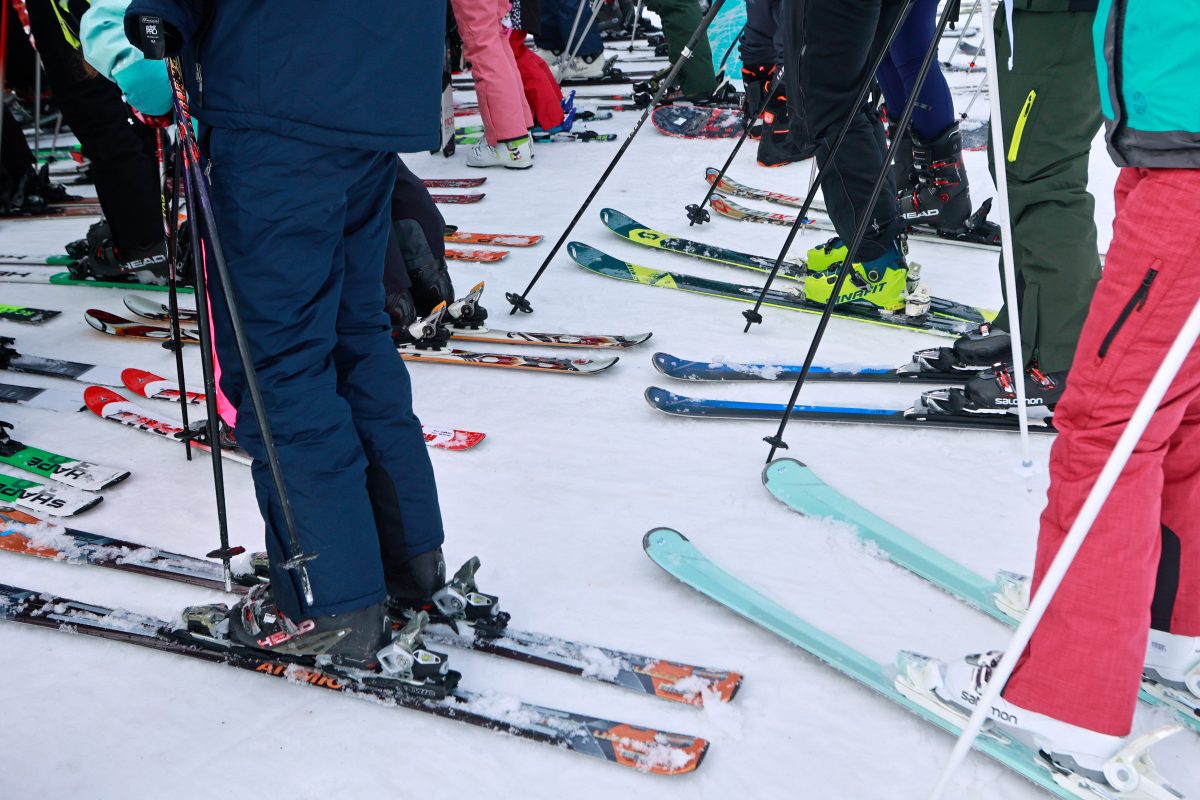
902, 165
975, 352
754, 79
996, 389
97, 258
779, 144
353, 639
942, 197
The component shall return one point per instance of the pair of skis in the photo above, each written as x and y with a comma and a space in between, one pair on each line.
645, 749
113, 324
919, 415
795, 485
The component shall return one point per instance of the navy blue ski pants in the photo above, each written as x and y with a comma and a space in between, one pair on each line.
558, 17
304, 229
897, 75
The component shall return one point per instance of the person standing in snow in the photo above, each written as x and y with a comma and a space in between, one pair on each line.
1130, 603
301, 194
502, 104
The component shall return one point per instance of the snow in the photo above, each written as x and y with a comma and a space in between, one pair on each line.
574, 470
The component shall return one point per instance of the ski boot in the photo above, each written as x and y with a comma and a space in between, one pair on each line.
97, 258
419, 585
941, 198
902, 165
1174, 661
588, 68
508, 153
996, 388
1102, 759
754, 82
979, 350
886, 282
778, 144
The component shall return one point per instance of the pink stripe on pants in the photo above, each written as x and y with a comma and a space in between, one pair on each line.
1084, 662
502, 101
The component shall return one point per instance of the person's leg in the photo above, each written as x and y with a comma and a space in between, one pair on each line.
934, 111
757, 43
586, 43
1092, 641
550, 36
542, 91
831, 49
1177, 591
497, 82
1051, 93
122, 150
680, 18
284, 231
373, 381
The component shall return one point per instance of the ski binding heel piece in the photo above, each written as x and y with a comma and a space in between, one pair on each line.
1131, 769
460, 601
1012, 593
405, 657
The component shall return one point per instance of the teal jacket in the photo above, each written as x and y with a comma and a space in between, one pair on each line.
1149, 77
102, 33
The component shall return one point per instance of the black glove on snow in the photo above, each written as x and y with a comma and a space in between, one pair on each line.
155, 37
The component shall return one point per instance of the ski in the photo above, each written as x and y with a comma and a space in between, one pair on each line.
565, 366
48, 499
453, 183
457, 199
476, 256
679, 558
66, 470
627, 745
155, 387
44, 259
670, 680
29, 316
965, 237
36, 274
13, 360
161, 312
602, 264
114, 325
502, 239
723, 370
913, 417
107, 404
794, 484
545, 138
54, 212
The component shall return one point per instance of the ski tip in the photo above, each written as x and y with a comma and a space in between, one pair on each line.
779, 468
135, 380
664, 362
97, 397
711, 173
658, 537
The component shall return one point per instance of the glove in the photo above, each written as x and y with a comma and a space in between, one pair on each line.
155, 37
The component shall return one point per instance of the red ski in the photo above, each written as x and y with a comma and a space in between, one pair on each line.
457, 199
502, 239
453, 183
477, 256
156, 387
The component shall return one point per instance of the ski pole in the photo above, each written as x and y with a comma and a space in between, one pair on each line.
37, 103
591, 23
637, 17
173, 258
975, 96
963, 33
860, 230
194, 178
753, 316
1130, 436
568, 47
697, 214
520, 302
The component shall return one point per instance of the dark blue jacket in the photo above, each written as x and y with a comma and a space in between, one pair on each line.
365, 74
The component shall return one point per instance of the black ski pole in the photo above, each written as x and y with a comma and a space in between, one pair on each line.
520, 302
753, 316
637, 17
201, 207
860, 233
697, 214
173, 256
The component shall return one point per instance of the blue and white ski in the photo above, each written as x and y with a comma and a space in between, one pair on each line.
913, 417
682, 369
673, 552
1005, 599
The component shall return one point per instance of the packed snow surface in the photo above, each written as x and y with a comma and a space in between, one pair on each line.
555, 502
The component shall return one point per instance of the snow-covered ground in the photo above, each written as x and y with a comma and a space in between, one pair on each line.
555, 503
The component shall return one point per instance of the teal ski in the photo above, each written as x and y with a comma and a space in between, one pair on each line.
795, 485
673, 552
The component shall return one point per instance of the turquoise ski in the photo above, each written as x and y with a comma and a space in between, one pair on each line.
673, 552
795, 485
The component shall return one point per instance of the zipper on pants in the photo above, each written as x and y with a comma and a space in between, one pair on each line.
1135, 304
1019, 130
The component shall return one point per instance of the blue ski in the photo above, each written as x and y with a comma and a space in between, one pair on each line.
673, 552
914, 417
795, 485
682, 369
